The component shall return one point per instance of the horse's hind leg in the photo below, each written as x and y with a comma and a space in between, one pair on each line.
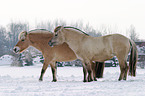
123, 68
126, 70
85, 74
53, 68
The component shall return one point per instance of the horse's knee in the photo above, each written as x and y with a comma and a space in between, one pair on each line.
125, 74
53, 70
88, 67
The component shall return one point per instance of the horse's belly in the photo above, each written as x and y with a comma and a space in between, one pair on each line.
101, 57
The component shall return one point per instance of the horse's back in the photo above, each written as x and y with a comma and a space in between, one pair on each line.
109, 46
120, 44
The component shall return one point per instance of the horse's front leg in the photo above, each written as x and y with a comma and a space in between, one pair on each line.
85, 74
94, 70
45, 65
54, 71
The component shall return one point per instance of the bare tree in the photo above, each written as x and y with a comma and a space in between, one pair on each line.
133, 34
50, 25
45, 25
2, 41
14, 30
91, 31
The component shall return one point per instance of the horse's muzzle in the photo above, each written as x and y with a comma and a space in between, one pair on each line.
50, 43
16, 50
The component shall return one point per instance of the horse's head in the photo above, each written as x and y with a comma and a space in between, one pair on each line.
22, 44
58, 37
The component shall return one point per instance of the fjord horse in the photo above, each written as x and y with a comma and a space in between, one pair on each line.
39, 39
88, 49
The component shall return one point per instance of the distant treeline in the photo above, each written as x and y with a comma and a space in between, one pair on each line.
9, 34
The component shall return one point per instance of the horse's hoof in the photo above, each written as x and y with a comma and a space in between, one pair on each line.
54, 80
95, 79
124, 79
40, 80
90, 80
84, 80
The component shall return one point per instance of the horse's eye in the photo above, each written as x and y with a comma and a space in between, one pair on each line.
56, 34
23, 40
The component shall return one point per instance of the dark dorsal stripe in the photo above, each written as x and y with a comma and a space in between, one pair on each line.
77, 29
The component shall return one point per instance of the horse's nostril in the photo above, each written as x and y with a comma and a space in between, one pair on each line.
49, 43
15, 49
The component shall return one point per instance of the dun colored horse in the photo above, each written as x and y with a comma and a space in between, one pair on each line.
88, 49
39, 39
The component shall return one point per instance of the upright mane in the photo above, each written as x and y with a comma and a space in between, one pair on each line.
23, 34
59, 27
77, 30
39, 31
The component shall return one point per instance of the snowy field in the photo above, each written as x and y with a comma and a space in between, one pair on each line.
23, 81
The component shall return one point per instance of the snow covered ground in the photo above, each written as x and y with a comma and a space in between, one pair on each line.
5, 60
23, 81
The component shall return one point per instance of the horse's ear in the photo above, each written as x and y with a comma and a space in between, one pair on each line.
59, 28
22, 35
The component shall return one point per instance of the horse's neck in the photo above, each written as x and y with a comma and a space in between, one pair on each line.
73, 39
37, 46
40, 42
73, 34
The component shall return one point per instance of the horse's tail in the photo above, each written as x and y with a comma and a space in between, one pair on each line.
133, 59
99, 69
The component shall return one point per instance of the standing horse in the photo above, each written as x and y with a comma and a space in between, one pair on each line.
39, 39
100, 49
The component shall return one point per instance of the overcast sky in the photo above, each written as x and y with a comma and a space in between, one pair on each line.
120, 13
